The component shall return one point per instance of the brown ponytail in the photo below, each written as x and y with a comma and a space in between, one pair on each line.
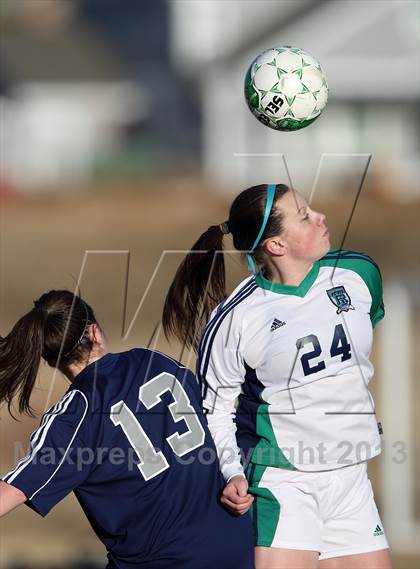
199, 284
20, 356
55, 330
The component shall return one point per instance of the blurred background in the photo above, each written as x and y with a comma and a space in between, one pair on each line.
124, 134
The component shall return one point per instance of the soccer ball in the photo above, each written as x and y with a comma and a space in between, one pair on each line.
286, 88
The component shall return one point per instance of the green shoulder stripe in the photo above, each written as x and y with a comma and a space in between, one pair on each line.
334, 253
367, 269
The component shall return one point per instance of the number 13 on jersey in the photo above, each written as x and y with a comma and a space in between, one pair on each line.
153, 462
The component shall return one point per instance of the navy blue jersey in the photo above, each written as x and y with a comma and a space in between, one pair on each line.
130, 439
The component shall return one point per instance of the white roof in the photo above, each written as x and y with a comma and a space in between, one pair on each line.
368, 48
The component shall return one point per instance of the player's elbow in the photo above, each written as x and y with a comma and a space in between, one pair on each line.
10, 498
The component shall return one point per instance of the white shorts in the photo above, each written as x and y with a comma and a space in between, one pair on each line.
332, 512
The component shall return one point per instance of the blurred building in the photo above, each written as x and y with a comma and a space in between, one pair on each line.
86, 89
65, 96
96, 89
370, 53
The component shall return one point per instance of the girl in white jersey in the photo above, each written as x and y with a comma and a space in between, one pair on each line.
284, 365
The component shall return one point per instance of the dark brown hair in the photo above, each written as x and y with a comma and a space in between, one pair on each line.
56, 329
200, 283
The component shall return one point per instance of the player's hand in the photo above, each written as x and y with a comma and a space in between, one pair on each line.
235, 495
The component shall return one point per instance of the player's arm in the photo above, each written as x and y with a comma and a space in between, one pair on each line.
221, 371
41, 483
377, 310
371, 275
10, 498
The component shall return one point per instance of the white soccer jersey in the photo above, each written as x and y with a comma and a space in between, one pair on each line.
297, 357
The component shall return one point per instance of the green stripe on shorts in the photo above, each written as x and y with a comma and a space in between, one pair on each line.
265, 510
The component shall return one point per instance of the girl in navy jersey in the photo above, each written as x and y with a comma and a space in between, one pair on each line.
128, 438
284, 366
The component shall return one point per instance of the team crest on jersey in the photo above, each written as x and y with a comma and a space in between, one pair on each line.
340, 298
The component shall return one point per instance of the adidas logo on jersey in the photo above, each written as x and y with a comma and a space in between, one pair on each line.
378, 531
277, 324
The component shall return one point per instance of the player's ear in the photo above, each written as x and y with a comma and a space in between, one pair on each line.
275, 247
95, 334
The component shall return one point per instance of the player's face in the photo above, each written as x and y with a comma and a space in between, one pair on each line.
305, 233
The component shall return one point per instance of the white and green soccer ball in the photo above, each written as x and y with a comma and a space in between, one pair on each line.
286, 88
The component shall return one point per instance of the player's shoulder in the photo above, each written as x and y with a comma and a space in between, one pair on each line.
146, 354
72, 407
227, 317
117, 373
367, 270
237, 300
153, 362
356, 261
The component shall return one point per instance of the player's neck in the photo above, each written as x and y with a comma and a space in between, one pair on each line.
74, 369
289, 273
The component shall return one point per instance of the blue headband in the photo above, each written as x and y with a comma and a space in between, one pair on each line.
271, 191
